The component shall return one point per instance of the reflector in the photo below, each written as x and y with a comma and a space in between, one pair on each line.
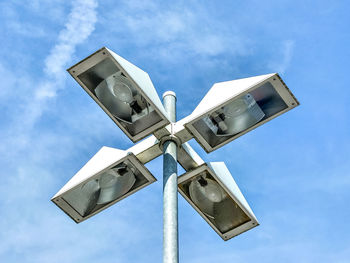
109, 186
211, 190
232, 108
116, 182
124, 92
84, 199
108, 177
205, 193
229, 215
119, 96
235, 117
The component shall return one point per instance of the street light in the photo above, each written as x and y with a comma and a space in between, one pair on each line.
109, 176
214, 194
233, 108
123, 91
126, 93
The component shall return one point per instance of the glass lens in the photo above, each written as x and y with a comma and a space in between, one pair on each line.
235, 117
105, 93
123, 92
115, 183
109, 186
120, 96
240, 115
205, 192
84, 199
214, 202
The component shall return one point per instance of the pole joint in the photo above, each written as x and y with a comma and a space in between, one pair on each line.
170, 137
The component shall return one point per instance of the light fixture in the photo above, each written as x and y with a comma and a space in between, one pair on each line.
108, 177
123, 91
212, 191
232, 108
126, 93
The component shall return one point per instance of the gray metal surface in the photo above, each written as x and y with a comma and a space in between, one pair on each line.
103, 160
223, 177
98, 69
223, 93
170, 206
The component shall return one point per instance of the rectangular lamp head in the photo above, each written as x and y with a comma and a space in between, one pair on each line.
213, 193
107, 178
123, 91
233, 108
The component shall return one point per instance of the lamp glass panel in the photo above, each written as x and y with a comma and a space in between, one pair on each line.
214, 202
120, 96
105, 188
240, 114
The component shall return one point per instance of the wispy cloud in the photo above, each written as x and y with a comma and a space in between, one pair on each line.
24, 148
178, 34
284, 60
80, 24
181, 29
7, 82
13, 16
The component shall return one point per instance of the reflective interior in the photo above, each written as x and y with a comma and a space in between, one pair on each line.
107, 187
214, 202
239, 115
120, 96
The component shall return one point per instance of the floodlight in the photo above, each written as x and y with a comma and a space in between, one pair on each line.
123, 91
233, 108
109, 176
212, 191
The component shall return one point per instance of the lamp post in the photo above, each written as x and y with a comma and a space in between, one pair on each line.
229, 110
170, 206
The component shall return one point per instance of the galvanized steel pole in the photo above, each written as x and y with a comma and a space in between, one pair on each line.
170, 207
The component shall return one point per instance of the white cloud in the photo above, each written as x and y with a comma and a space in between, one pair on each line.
8, 82
80, 24
284, 60
24, 149
26, 110
14, 22
176, 30
28, 154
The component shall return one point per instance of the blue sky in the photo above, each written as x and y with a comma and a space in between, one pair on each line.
294, 170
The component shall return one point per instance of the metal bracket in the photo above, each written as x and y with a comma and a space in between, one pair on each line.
170, 137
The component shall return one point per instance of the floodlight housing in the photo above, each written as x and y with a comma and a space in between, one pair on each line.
109, 176
214, 194
123, 91
233, 108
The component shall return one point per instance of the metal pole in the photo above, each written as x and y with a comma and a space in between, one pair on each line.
170, 226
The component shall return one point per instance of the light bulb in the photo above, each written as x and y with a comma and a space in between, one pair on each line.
238, 116
113, 94
122, 92
235, 108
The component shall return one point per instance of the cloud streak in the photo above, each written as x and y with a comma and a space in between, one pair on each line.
24, 148
287, 50
79, 26
180, 30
